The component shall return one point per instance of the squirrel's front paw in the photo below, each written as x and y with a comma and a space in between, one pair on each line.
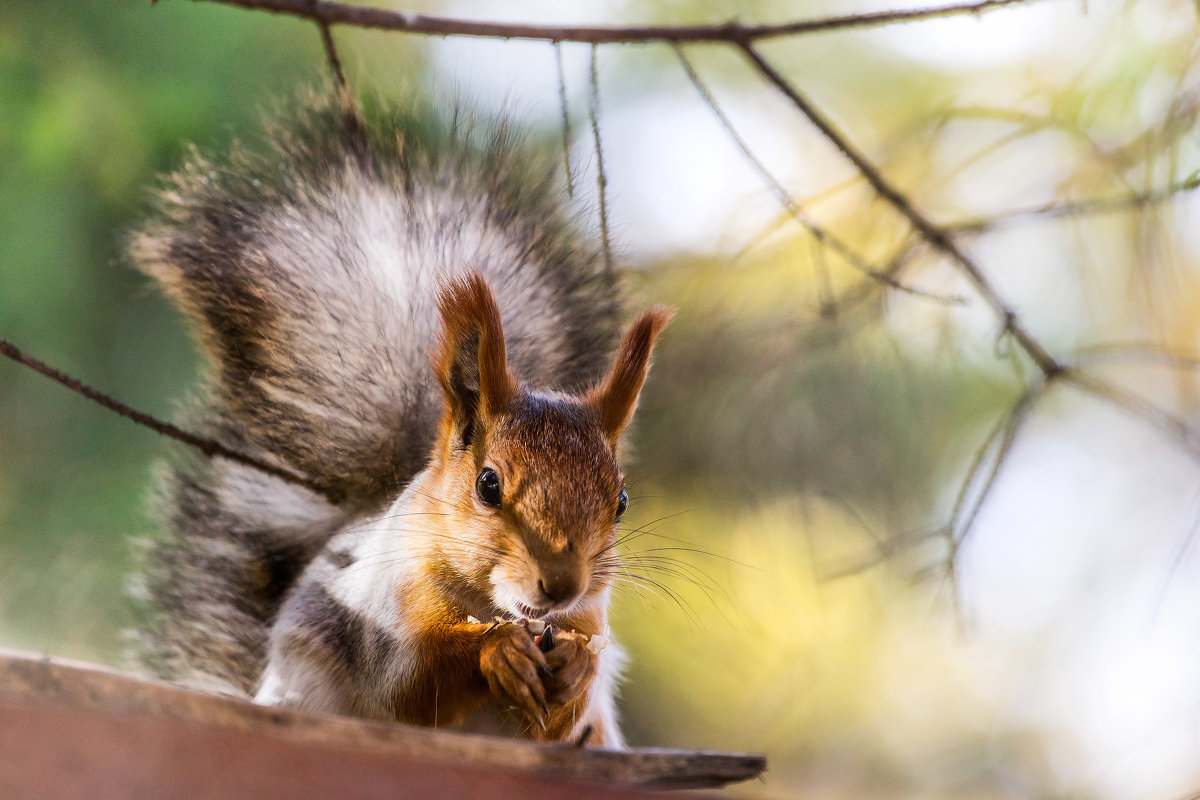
573, 665
514, 669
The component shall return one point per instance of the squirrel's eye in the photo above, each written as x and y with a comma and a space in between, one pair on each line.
622, 504
487, 486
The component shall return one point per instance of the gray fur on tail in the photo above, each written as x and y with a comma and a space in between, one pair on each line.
308, 265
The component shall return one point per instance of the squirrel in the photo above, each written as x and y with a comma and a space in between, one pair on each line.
404, 311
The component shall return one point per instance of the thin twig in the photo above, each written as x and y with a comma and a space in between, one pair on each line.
332, 13
335, 63
1180, 553
826, 306
887, 276
354, 122
885, 549
1147, 351
1175, 428
209, 447
1002, 438
978, 461
997, 445
601, 176
566, 118
935, 235
789, 203
1051, 211
991, 454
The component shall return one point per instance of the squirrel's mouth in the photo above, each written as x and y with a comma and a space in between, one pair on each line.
529, 612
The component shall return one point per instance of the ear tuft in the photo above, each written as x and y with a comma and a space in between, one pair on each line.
471, 364
615, 398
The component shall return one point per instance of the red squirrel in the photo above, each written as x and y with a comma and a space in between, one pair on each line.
321, 270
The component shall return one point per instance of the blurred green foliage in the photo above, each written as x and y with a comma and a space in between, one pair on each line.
95, 100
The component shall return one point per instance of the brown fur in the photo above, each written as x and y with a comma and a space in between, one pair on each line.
471, 364
412, 653
616, 397
557, 463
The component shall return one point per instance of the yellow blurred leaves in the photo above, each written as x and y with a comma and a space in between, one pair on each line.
770, 655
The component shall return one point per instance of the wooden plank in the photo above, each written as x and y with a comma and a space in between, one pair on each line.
49, 752
122, 711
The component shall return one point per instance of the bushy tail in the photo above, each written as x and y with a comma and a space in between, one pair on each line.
309, 268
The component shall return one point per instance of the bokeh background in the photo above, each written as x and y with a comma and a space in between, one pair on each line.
805, 433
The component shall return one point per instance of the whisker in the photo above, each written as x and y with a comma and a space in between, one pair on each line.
698, 551
635, 533
658, 586
681, 570
708, 587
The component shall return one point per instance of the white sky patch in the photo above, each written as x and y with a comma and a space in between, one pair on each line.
678, 183
1074, 574
998, 37
1187, 215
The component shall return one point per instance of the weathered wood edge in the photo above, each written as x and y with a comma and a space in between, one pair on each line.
27, 677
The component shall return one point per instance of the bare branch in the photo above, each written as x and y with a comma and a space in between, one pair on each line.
566, 118
1137, 351
1051, 211
885, 550
991, 456
335, 63
999, 444
601, 177
825, 304
821, 234
1175, 428
209, 447
332, 13
935, 235
354, 122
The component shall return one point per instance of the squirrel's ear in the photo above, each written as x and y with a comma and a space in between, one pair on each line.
470, 363
615, 398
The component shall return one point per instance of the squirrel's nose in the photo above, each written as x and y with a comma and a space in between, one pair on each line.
558, 587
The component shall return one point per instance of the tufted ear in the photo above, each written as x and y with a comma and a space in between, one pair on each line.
615, 397
471, 365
